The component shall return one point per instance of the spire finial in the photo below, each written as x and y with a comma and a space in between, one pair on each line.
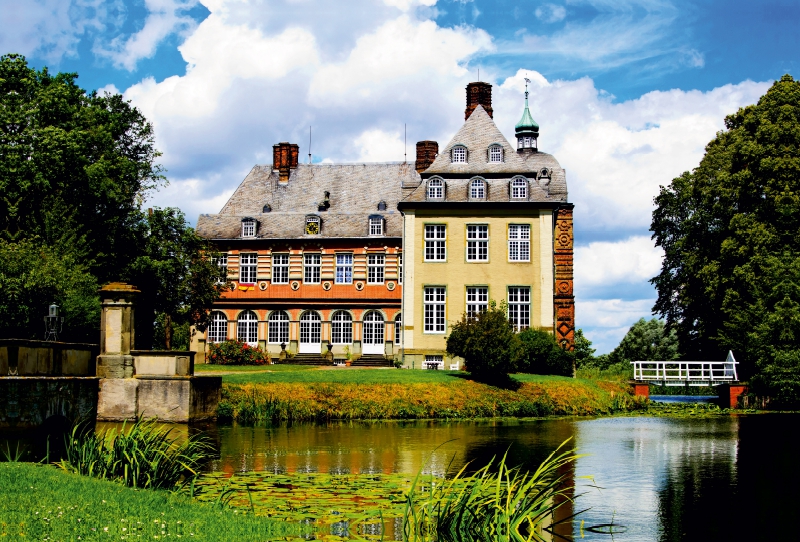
526, 91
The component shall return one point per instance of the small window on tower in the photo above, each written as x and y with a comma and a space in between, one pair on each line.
458, 154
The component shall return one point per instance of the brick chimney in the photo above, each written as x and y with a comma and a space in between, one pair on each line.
284, 159
426, 154
478, 94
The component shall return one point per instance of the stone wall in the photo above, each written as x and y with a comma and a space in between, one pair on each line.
20, 357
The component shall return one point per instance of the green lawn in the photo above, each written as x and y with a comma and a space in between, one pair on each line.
41, 502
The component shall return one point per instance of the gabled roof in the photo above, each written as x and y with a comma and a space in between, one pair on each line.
355, 190
477, 134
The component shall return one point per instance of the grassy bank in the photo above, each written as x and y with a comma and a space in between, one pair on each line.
43, 503
306, 395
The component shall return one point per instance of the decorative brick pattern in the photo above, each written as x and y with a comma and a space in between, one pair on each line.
564, 300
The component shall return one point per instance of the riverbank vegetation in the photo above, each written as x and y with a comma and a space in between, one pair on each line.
348, 394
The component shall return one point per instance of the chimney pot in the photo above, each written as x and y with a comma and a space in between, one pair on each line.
426, 154
284, 158
479, 93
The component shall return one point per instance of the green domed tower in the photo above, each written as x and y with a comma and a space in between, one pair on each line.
527, 130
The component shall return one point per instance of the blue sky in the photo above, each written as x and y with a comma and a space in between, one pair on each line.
627, 93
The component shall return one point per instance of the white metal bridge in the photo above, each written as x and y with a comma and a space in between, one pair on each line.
682, 373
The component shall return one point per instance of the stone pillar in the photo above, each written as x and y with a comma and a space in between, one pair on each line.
116, 331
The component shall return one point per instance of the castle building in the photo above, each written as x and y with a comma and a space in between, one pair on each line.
374, 262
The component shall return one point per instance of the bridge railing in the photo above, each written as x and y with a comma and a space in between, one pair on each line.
677, 373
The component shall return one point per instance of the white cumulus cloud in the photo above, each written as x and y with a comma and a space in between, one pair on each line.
550, 13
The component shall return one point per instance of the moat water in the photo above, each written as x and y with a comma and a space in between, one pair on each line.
657, 479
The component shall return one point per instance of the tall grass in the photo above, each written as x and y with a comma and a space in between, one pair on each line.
142, 455
496, 503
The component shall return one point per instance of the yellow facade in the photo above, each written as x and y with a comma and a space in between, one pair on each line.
455, 273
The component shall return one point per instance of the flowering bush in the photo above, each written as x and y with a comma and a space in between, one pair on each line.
236, 353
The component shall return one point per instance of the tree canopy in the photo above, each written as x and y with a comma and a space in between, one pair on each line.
75, 168
729, 230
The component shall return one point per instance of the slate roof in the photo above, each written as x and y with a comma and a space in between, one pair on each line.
355, 192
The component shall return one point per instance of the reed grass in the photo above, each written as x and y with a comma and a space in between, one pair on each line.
140, 455
496, 503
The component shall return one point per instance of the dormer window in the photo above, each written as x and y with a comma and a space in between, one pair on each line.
382, 206
312, 225
376, 225
248, 227
458, 154
435, 189
477, 189
266, 208
519, 189
495, 154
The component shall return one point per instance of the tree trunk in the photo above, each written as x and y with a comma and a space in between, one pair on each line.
168, 331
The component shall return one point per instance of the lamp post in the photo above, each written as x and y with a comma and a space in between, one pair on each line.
53, 323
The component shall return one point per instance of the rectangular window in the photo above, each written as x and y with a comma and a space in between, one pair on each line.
344, 269
248, 263
221, 262
248, 228
376, 226
280, 269
434, 303
400, 269
311, 268
375, 266
435, 239
495, 154
477, 243
519, 307
519, 242
477, 300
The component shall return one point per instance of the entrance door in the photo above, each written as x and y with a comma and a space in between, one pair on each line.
310, 333
373, 333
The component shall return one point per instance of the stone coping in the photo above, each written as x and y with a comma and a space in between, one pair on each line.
33, 343
174, 377
164, 353
45, 377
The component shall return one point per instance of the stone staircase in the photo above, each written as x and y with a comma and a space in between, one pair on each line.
372, 360
306, 359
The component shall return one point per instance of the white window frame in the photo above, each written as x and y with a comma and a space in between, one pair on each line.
519, 307
248, 267
519, 242
519, 189
217, 330
495, 154
399, 269
247, 328
221, 262
312, 267
477, 189
477, 300
458, 154
311, 328
280, 268
342, 328
248, 227
477, 242
435, 242
344, 268
376, 226
434, 309
431, 359
435, 189
398, 329
376, 265
278, 327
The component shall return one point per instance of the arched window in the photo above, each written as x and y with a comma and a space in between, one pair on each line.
519, 188
477, 189
458, 154
310, 332
398, 329
217, 327
372, 333
342, 328
495, 154
278, 328
248, 227
247, 328
435, 189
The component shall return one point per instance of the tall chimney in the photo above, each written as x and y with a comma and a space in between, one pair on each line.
284, 158
478, 94
426, 154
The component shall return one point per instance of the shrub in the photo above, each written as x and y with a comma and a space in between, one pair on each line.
486, 341
539, 353
236, 353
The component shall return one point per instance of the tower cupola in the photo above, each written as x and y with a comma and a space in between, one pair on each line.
527, 130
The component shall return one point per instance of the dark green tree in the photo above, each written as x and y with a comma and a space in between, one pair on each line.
487, 343
646, 340
583, 352
729, 230
539, 353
